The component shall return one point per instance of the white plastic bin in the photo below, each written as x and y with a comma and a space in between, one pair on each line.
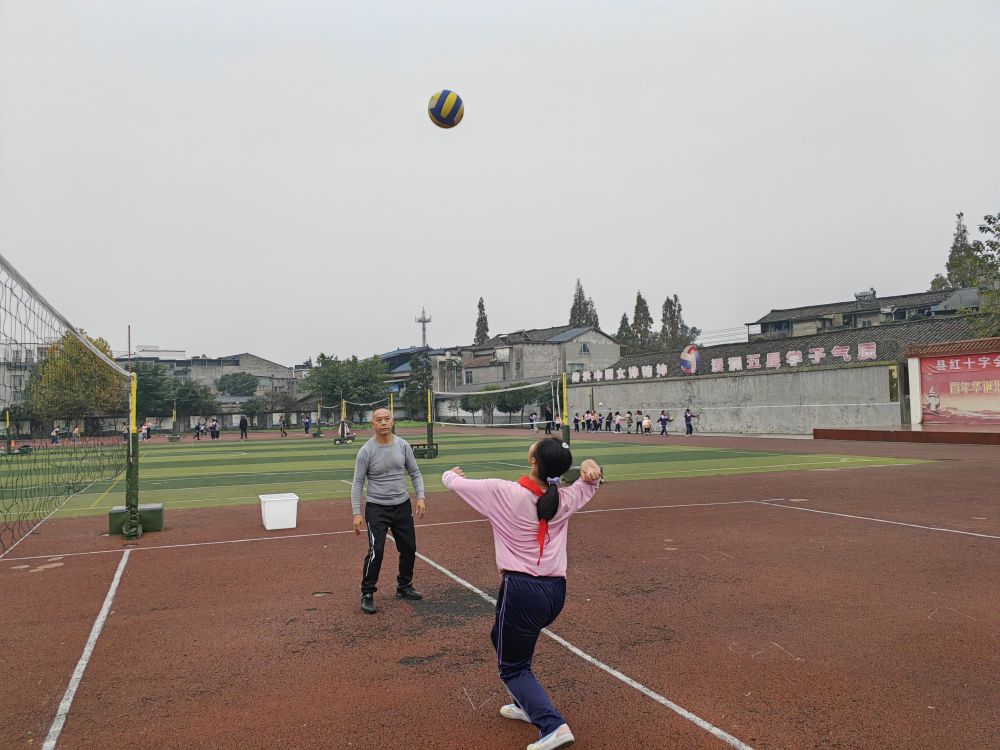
279, 511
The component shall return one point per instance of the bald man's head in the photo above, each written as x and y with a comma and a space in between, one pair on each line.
382, 422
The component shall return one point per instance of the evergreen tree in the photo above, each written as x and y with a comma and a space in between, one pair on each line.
624, 334
590, 318
579, 312
642, 323
675, 333
482, 325
966, 264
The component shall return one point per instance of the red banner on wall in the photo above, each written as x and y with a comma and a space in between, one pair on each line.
961, 389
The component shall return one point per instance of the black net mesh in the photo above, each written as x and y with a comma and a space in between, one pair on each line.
64, 408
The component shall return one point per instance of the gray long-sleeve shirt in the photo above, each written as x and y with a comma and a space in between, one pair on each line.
383, 466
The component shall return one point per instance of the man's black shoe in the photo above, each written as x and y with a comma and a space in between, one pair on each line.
408, 592
368, 604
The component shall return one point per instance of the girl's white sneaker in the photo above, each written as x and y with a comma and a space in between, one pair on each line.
512, 711
562, 737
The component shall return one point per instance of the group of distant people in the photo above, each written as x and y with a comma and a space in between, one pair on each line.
593, 421
74, 435
547, 420
212, 427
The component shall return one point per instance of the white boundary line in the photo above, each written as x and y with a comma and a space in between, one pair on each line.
349, 531
233, 541
81, 666
678, 505
680, 710
771, 504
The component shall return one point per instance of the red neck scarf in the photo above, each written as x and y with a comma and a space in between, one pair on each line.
543, 525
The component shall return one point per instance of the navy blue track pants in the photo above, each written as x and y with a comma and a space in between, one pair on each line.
525, 605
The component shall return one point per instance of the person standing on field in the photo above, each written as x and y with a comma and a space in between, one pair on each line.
688, 425
381, 463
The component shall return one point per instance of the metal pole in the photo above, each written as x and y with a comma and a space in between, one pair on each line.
565, 410
132, 528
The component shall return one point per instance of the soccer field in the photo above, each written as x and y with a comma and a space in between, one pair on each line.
205, 474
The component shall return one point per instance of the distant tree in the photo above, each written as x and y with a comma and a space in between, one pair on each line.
366, 379
939, 283
590, 318
271, 402
969, 263
155, 389
421, 379
72, 382
357, 380
256, 409
195, 399
327, 380
642, 323
488, 402
471, 405
675, 333
583, 312
624, 335
237, 384
482, 325
988, 249
578, 312
512, 402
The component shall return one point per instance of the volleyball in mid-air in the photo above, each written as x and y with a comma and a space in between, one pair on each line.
446, 109
690, 359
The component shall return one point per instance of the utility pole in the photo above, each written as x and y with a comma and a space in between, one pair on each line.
423, 320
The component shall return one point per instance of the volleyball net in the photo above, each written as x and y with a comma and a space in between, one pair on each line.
521, 405
67, 420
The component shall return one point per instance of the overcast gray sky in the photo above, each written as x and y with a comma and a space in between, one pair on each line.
234, 176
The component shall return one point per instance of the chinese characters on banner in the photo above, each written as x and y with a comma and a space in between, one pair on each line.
768, 360
960, 389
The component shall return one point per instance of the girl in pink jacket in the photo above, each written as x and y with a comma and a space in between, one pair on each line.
530, 520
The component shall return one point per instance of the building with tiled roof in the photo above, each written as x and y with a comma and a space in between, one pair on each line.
867, 310
534, 354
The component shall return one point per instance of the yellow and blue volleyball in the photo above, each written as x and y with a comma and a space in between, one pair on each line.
446, 109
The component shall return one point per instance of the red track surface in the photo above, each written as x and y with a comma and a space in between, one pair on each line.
783, 627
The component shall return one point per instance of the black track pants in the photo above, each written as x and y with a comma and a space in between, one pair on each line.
381, 519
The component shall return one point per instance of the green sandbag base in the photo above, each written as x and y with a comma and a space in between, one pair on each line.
150, 516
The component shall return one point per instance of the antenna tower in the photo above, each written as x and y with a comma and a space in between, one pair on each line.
423, 320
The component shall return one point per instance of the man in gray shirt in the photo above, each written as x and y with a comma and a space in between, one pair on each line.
382, 461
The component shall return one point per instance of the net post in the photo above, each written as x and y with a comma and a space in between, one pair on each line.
319, 416
430, 418
132, 528
392, 414
565, 410
6, 414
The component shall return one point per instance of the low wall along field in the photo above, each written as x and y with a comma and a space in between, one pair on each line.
782, 402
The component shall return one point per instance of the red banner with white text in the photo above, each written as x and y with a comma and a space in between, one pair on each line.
963, 389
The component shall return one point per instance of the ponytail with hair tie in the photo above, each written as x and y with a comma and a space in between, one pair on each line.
554, 459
